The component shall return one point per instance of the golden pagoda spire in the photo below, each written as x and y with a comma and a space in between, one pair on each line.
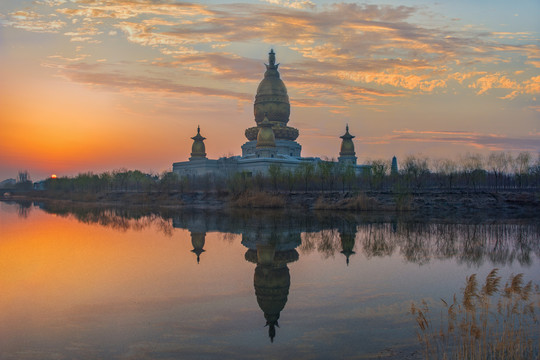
272, 61
347, 153
198, 150
347, 146
272, 101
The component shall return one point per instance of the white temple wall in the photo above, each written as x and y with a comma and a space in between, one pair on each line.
197, 167
283, 147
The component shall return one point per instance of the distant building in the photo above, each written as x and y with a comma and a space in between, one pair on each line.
270, 142
394, 168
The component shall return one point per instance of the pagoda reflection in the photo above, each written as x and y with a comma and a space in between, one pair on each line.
197, 241
271, 252
347, 236
348, 240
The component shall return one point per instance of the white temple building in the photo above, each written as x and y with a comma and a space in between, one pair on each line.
270, 142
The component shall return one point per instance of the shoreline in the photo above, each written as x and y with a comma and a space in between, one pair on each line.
430, 203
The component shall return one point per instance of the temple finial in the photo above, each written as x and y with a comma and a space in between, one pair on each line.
271, 57
272, 61
198, 129
272, 330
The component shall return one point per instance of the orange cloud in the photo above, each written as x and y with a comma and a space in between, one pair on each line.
498, 81
84, 32
32, 21
460, 77
532, 86
125, 9
408, 82
346, 36
492, 81
295, 4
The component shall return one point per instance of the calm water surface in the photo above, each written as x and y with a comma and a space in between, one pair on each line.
113, 284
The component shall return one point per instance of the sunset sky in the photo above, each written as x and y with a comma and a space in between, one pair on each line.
96, 85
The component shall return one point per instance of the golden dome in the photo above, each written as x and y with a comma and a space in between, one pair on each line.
271, 99
347, 145
265, 137
347, 148
198, 149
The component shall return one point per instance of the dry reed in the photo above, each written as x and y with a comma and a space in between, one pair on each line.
477, 328
258, 200
360, 202
404, 201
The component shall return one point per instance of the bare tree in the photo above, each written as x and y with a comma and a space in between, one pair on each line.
472, 167
23, 177
446, 170
23, 181
379, 169
415, 169
497, 163
535, 171
522, 166
306, 172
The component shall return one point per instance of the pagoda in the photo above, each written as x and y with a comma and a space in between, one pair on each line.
198, 150
270, 143
347, 153
272, 103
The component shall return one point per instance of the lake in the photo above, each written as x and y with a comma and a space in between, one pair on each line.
87, 283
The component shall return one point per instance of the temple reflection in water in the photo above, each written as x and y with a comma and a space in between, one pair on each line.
271, 252
286, 252
472, 241
348, 240
271, 247
271, 240
197, 240
274, 240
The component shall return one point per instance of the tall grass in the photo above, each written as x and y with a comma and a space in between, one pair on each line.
404, 201
258, 199
491, 322
360, 202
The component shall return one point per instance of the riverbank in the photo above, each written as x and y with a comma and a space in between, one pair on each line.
452, 203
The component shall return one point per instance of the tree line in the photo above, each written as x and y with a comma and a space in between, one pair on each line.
496, 171
470, 172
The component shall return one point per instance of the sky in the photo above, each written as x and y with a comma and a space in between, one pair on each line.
99, 85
